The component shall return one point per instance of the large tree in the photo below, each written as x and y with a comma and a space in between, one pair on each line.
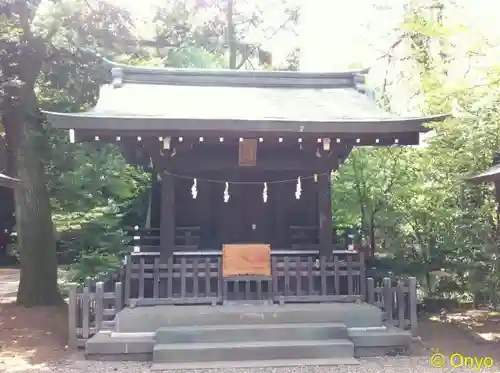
30, 46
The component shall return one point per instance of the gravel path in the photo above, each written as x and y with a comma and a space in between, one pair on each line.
9, 282
371, 365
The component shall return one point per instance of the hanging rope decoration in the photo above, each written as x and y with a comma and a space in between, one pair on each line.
226, 193
194, 189
298, 191
226, 196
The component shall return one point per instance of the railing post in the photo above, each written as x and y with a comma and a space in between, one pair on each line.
85, 313
350, 276
99, 300
400, 301
118, 297
412, 303
274, 276
362, 275
141, 277
72, 313
370, 294
88, 283
128, 278
388, 299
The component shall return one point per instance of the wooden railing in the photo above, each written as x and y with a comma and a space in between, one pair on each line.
398, 300
188, 279
307, 236
148, 239
92, 307
188, 238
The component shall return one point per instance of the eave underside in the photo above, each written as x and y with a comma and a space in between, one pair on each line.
492, 174
183, 126
8, 182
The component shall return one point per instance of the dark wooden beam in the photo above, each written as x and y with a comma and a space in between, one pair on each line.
167, 219
280, 218
270, 139
193, 162
325, 212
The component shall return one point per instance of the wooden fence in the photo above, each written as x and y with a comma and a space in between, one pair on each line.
398, 300
94, 306
198, 280
189, 238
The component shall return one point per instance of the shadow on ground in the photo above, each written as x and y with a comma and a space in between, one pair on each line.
29, 337
447, 337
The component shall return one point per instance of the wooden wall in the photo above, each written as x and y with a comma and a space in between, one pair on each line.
232, 222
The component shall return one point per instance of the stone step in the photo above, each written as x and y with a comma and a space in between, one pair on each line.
150, 319
252, 351
229, 365
369, 343
251, 332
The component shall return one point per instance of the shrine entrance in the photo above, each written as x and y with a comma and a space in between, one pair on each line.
245, 217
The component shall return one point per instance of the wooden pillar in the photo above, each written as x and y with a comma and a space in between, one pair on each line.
325, 214
167, 222
281, 229
207, 218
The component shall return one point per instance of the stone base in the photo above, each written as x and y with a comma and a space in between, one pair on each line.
380, 342
309, 333
189, 367
150, 319
119, 357
380, 351
106, 345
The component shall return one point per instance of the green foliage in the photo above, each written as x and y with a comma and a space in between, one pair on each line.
195, 57
416, 203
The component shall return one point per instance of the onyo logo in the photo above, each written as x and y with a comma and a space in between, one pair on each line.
458, 360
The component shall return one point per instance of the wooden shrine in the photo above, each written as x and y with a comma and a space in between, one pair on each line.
243, 158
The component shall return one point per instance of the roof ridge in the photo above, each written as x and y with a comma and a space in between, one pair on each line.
123, 73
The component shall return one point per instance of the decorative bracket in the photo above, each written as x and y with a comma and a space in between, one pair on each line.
326, 144
117, 75
166, 143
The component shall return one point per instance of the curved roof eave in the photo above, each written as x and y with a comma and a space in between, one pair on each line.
8, 182
94, 121
492, 174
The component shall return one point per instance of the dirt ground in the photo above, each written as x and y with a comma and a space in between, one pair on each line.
449, 337
33, 338
29, 337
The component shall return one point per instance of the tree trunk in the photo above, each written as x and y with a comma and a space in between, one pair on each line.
21, 62
372, 235
35, 229
231, 34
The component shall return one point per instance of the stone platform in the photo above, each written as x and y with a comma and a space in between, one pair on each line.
149, 319
248, 335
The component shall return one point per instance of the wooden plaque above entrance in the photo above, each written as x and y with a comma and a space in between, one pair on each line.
246, 260
248, 152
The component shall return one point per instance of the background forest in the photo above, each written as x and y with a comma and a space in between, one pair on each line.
412, 205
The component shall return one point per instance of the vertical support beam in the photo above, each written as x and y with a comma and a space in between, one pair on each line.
279, 209
167, 223
310, 187
207, 215
325, 214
